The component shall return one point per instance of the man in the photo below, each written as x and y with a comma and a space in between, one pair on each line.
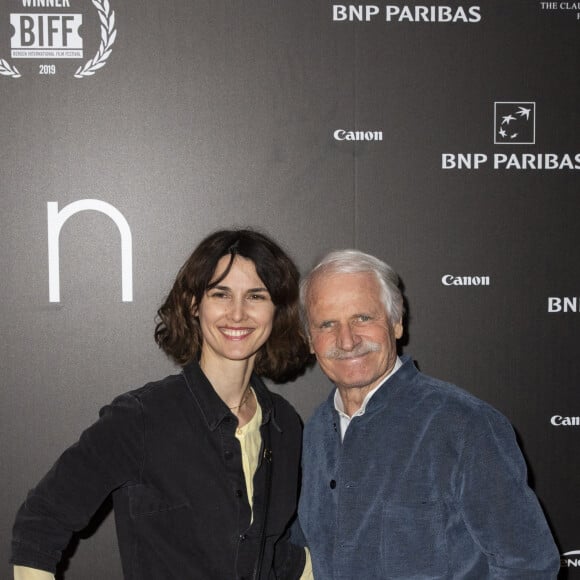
405, 476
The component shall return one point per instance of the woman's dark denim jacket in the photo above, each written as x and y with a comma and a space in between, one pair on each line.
168, 454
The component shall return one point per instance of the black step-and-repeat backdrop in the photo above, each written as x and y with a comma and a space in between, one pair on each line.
441, 136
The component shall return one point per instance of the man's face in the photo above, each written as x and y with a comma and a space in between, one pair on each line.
350, 333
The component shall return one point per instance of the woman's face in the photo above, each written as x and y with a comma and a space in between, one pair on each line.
236, 315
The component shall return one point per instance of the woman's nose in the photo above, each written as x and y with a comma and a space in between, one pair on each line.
237, 310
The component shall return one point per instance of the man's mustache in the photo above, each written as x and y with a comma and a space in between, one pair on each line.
359, 350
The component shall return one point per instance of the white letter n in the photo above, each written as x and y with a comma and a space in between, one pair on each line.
56, 220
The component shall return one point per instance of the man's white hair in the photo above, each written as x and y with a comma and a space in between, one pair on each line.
356, 262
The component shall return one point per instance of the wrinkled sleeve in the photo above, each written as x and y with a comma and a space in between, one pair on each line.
296, 534
499, 509
297, 538
107, 455
289, 560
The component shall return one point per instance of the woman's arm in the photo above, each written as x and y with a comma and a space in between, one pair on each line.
24, 573
108, 454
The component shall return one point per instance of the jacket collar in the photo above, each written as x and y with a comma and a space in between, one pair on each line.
212, 408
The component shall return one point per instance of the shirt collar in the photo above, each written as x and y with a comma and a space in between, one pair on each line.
212, 408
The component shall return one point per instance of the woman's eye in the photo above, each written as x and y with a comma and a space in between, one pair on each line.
258, 297
218, 295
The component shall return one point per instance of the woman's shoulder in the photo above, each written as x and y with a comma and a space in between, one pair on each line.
155, 393
268, 398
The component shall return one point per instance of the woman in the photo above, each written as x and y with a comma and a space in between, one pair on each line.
203, 466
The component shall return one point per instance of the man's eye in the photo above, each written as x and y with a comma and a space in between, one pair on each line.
363, 317
326, 324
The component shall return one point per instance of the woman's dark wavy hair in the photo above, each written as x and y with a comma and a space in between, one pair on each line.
285, 354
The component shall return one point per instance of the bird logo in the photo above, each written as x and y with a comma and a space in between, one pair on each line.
515, 123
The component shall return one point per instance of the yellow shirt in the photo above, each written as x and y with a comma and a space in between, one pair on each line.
250, 442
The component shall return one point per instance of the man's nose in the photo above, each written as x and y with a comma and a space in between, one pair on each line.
347, 338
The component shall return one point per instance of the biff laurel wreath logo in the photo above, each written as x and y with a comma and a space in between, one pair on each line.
53, 36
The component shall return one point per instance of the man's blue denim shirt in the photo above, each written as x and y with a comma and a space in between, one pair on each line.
428, 484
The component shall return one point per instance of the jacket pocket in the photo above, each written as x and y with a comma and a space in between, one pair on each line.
146, 501
413, 540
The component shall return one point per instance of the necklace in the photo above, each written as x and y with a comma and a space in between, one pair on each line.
243, 400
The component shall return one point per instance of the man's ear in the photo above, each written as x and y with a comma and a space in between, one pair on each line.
398, 329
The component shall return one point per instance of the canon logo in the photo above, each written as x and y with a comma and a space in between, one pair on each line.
567, 562
451, 280
342, 135
560, 421
563, 304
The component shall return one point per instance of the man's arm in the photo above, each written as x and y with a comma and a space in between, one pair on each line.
500, 511
297, 538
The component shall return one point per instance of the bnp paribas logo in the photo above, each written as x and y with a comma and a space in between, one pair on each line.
49, 37
514, 123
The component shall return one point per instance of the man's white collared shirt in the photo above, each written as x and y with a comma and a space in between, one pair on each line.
344, 418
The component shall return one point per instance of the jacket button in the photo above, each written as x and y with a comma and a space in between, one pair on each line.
228, 454
239, 493
243, 537
332, 484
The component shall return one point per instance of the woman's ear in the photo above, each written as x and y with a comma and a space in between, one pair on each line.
193, 308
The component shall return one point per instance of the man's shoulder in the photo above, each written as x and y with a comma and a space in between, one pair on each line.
431, 395
322, 413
